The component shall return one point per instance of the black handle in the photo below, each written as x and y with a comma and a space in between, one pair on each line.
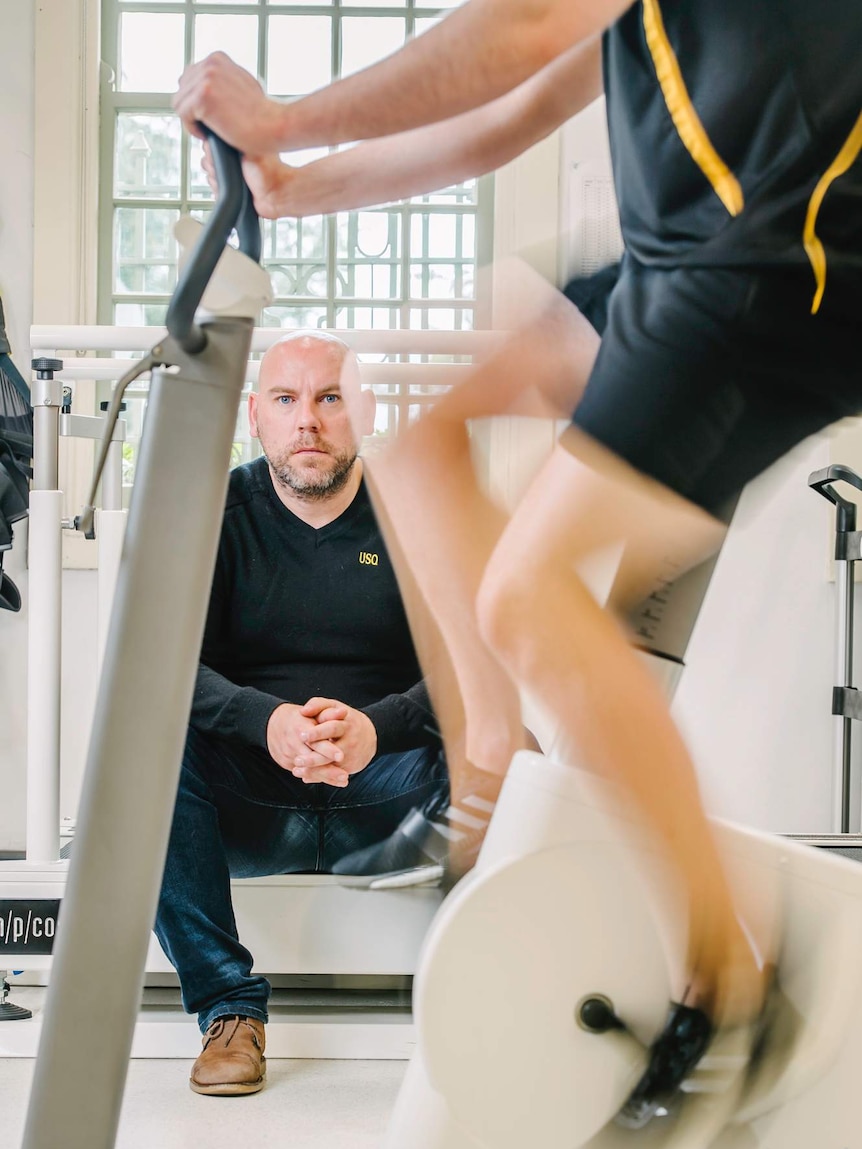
821, 481
234, 208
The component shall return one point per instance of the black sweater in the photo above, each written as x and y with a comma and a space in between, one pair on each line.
298, 611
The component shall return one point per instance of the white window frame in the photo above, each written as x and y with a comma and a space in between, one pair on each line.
115, 102
66, 200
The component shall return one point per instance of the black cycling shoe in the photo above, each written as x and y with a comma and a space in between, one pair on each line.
415, 846
436, 842
673, 1056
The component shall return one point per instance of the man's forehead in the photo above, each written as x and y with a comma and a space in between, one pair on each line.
305, 347
302, 360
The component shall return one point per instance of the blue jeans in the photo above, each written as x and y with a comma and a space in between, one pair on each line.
240, 815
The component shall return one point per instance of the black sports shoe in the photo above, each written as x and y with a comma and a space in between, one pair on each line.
437, 842
672, 1057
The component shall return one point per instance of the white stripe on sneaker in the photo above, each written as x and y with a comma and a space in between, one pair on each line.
479, 803
422, 876
448, 832
465, 819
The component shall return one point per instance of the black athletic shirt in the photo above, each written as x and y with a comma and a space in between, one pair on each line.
297, 611
776, 87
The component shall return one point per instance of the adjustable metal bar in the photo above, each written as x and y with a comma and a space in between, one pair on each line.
47, 401
85, 521
844, 601
136, 744
45, 613
88, 426
139, 728
44, 546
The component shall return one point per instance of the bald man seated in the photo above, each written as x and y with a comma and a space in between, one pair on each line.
311, 734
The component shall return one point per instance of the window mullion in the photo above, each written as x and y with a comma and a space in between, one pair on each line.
397, 300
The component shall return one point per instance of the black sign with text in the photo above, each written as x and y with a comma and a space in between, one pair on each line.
28, 925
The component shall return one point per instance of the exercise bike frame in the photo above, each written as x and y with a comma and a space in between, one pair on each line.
144, 698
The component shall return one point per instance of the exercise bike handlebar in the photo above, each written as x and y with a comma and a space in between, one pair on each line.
234, 209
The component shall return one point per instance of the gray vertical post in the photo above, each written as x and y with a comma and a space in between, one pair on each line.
845, 698
844, 591
136, 745
45, 620
47, 395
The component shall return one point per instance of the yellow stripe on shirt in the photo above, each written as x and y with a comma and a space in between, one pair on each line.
813, 247
686, 120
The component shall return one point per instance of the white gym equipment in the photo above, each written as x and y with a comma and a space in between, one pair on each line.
569, 904
560, 910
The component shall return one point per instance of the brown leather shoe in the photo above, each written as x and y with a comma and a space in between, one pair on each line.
232, 1060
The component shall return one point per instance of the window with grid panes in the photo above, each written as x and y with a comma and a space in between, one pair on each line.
410, 264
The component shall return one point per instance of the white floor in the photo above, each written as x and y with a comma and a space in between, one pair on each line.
305, 1105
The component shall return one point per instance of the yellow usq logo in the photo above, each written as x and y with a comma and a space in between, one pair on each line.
368, 558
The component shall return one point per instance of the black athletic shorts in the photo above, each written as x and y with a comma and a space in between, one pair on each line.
591, 294
706, 376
